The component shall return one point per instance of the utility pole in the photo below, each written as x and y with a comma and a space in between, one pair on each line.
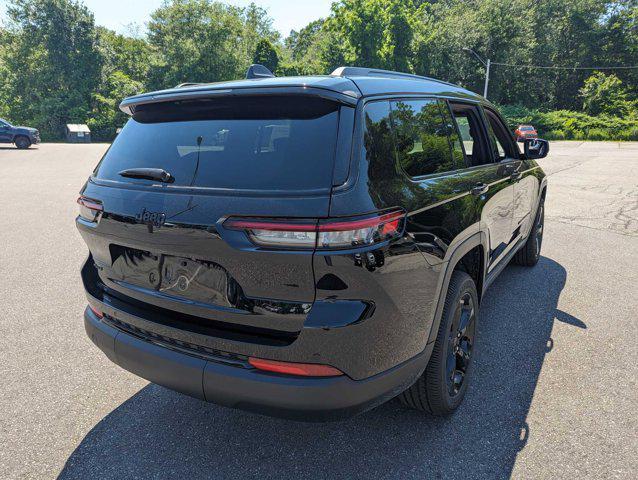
487, 77
487, 68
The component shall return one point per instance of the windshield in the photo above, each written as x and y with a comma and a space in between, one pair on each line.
526, 128
253, 143
4, 122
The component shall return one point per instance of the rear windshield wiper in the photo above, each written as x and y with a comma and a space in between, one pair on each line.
158, 174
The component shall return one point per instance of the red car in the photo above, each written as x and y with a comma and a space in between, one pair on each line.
525, 131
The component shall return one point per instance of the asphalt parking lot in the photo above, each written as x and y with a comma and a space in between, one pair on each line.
555, 393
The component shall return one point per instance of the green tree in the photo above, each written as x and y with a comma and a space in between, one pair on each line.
4, 74
605, 94
374, 33
50, 54
125, 68
122, 53
300, 42
257, 26
105, 115
266, 55
620, 41
195, 41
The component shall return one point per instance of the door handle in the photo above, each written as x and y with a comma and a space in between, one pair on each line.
515, 176
479, 189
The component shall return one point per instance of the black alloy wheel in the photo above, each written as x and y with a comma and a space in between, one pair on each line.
460, 344
443, 384
530, 252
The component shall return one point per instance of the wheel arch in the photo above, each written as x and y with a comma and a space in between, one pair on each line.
469, 256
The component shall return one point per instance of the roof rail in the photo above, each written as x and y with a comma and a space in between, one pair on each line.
258, 71
188, 84
377, 72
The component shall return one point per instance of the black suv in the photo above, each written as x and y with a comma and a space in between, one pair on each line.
307, 247
22, 137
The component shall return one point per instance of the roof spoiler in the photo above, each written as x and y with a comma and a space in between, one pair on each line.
258, 71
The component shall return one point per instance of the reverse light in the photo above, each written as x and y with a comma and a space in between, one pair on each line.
299, 369
322, 234
89, 208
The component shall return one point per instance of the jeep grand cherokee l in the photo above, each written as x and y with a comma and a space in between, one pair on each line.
307, 247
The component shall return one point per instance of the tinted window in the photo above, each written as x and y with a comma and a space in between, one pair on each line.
497, 147
500, 137
453, 136
421, 137
467, 138
378, 141
469, 125
263, 143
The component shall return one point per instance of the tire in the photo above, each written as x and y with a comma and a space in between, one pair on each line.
529, 253
22, 142
442, 386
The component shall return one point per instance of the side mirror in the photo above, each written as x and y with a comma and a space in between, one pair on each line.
536, 148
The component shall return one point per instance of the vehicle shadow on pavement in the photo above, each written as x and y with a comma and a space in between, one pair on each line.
158, 433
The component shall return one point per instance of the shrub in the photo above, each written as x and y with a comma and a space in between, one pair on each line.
567, 124
597, 134
555, 135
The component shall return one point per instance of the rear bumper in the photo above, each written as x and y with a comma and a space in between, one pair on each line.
243, 387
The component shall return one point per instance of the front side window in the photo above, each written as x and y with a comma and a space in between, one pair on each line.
499, 137
422, 143
497, 146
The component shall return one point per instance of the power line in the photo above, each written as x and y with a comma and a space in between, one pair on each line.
548, 67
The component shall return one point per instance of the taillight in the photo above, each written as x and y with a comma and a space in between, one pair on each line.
97, 312
300, 369
354, 233
89, 208
275, 233
322, 234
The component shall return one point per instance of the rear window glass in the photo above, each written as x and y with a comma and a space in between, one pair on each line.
252, 143
525, 128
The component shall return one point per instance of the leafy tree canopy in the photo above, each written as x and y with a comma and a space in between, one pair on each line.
605, 94
266, 55
57, 66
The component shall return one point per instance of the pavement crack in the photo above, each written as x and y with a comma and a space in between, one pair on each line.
572, 222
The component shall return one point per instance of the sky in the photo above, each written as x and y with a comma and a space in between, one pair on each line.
287, 14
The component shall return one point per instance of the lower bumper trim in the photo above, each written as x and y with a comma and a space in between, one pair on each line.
299, 398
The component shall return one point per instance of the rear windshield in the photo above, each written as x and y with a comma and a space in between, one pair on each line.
526, 128
252, 143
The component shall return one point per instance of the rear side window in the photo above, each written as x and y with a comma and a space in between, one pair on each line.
253, 143
422, 142
470, 127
